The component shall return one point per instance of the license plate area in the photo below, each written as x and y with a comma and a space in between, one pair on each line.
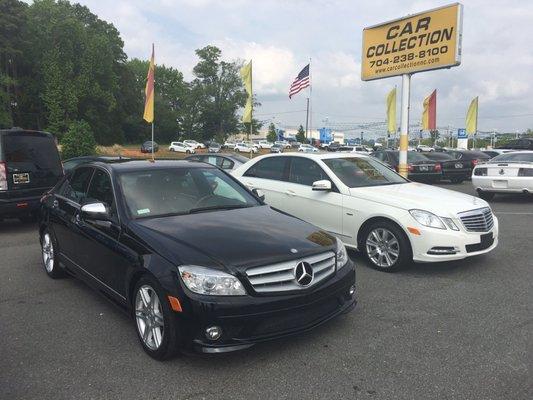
23, 178
423, 168
458, 165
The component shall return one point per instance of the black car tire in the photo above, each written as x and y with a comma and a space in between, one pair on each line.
172, 149
187, 152
486, 195
53, 270
169, 345
405, 256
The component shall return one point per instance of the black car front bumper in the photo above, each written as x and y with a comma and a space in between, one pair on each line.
248, 320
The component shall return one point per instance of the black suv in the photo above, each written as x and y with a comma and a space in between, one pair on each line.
197, 259
29, 167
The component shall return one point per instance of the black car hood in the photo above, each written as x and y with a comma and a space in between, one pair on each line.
232, 239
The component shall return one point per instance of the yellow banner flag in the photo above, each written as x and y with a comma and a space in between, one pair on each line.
246, 75
149, 91
391, 111
471, 117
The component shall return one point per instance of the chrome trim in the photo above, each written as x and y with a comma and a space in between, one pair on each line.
479, 220
280, 277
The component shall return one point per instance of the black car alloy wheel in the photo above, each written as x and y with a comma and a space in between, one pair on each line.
49, 255
156, 326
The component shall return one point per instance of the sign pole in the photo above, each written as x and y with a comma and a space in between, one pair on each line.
404, 132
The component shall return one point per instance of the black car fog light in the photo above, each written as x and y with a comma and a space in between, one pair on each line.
213, 332
352, 290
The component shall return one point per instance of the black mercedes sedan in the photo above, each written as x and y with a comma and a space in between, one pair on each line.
199, 262
420, 168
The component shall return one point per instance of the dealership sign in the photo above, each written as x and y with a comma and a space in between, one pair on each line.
420, 42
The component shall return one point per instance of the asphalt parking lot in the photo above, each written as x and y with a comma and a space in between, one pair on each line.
460, 330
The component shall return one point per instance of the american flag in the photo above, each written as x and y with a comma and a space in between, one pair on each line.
301, 81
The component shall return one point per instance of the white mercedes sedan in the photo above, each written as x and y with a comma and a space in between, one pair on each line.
373, 209
506, 173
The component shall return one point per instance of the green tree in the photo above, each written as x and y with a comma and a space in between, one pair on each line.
222, 94
78, 141
300, 135
272, 135
13, 24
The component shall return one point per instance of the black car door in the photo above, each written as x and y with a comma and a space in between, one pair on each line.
65, 212
104, 257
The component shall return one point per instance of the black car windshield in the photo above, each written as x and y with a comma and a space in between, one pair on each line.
359, 171
175, 191
514, 157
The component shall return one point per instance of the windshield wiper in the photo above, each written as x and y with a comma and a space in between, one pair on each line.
219, 207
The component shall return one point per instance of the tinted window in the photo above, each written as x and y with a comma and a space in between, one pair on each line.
76, 187
177, 191
101, 189
305, 171
40, 151
269, 168
358, 171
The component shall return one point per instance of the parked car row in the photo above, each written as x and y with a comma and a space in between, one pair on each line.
207, 261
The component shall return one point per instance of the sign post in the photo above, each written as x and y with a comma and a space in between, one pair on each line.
404, 125
420, 42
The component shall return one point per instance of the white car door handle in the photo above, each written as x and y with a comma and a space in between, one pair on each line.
290, 193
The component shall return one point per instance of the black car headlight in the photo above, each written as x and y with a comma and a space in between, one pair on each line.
341, 254
209, 281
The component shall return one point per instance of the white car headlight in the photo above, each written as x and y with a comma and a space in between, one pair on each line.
427, 219
342, 255
209, 281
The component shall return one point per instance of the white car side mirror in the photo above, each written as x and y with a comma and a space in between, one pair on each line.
323, 185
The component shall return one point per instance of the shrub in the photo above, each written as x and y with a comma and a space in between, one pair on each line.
78, 141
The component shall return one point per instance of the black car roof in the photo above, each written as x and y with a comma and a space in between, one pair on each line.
139, 165
20, 130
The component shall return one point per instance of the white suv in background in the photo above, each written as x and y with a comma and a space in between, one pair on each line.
194, 144
244, 148
181, 147
373, 209
265, 144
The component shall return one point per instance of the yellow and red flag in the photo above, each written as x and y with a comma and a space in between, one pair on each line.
429, 115
149, 91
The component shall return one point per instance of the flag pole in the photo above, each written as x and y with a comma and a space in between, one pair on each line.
153, 144
252, 100
310, 100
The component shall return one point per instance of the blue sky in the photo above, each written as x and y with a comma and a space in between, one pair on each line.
281, 36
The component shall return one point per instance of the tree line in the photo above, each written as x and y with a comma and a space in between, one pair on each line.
61, 66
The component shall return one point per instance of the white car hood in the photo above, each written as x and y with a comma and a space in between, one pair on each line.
442, 202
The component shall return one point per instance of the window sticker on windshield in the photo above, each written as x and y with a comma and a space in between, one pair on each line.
143, 211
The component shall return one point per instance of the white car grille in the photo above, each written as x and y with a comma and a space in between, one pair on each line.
280, 277
480, 220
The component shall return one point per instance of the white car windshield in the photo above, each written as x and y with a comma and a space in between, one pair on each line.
359, 172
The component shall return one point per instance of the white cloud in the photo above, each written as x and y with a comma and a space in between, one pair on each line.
280, 36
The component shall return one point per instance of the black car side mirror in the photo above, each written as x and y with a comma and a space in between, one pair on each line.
96, 211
